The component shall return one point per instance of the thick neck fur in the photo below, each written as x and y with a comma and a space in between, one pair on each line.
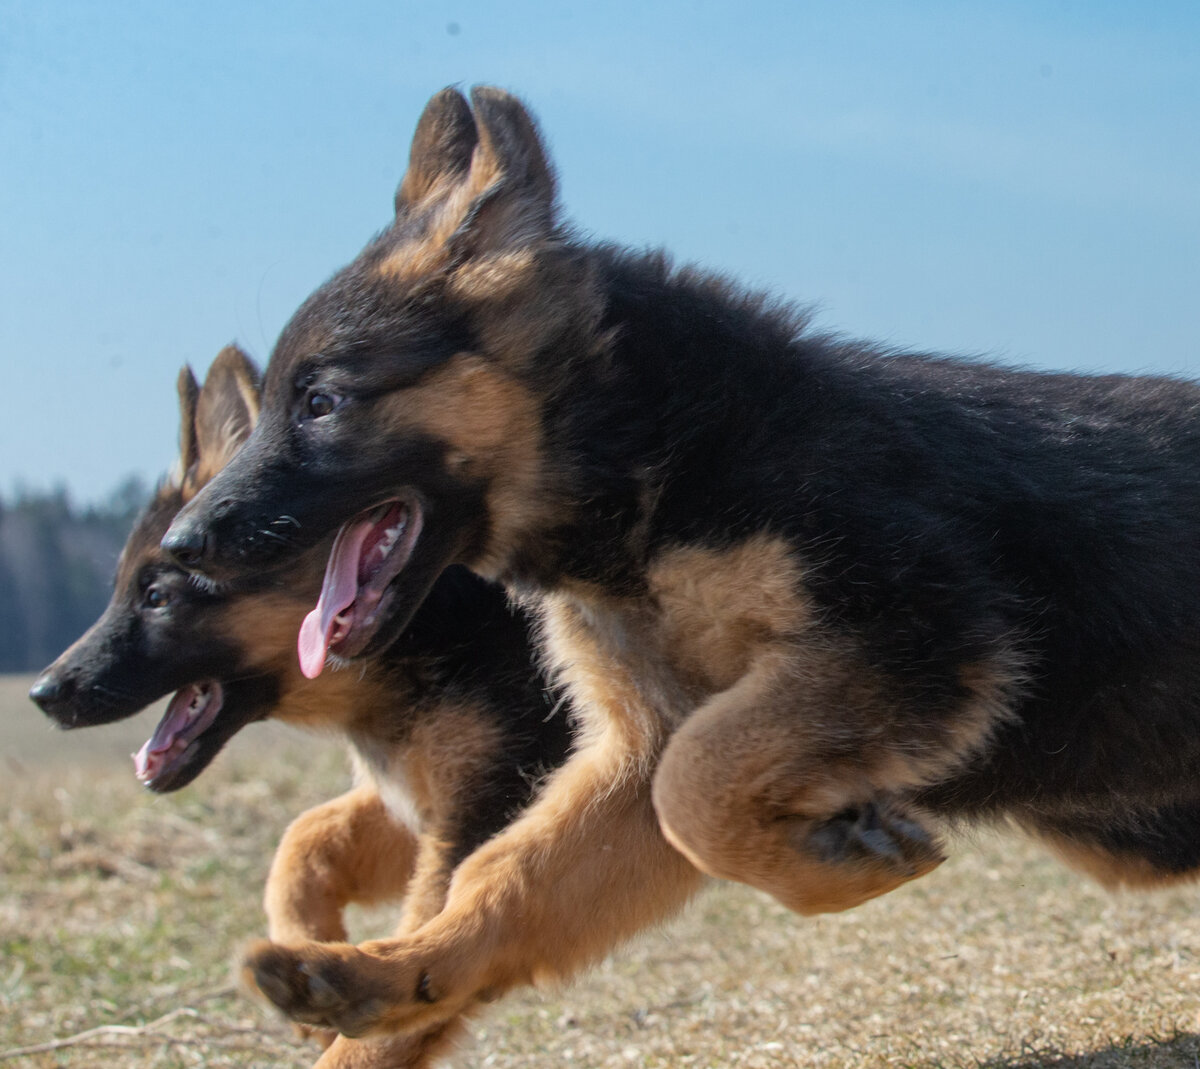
667, 386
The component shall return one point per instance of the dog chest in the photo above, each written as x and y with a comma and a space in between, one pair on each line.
707, 616
720, 609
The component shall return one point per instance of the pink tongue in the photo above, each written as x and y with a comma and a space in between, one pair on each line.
149, 758
338, 592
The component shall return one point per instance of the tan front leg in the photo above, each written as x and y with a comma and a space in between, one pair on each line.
429, 885
418, 1051
585, 868
346, 850
791, 782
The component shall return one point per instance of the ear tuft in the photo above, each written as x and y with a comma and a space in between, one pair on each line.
441, 148
479, 186
226, 411
507, 199
189, 393
509, 135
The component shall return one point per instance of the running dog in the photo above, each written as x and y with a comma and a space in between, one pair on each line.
451, 729
810, 599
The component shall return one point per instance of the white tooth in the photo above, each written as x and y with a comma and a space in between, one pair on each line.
388, 542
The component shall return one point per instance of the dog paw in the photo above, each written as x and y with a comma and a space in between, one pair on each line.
876, 836
328, 986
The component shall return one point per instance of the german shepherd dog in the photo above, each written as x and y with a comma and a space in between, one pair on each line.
451, 728
810, 598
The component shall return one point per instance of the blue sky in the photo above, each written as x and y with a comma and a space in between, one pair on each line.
1020, 180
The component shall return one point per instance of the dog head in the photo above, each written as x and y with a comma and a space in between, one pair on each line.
165, 631
402, 407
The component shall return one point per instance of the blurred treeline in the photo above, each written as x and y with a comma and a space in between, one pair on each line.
57, 562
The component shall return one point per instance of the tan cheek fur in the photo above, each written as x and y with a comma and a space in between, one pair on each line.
490, 423
267, 625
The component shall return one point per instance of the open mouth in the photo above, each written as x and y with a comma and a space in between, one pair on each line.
368, 553
173, 744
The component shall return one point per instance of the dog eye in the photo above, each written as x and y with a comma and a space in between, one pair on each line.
321, 404
157, 598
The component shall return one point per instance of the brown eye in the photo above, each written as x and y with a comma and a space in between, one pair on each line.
157, 598
321, 404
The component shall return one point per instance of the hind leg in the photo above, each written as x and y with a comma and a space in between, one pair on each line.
793, 781
1131, 849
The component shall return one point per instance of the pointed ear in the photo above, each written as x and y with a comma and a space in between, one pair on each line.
510, 186
189, 392
509, 141
226, 411
479, 189
441, 149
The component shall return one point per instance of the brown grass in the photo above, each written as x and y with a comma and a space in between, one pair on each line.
122, 912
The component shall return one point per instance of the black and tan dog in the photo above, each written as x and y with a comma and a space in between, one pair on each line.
808, 597
451, 729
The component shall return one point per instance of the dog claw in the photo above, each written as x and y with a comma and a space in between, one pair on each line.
273, 986
878, 842
322, 994
874, 835
425, 989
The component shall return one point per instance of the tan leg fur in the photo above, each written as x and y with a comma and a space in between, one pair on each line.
749, 790
393, 1052
585, 868
346, 850
351, 850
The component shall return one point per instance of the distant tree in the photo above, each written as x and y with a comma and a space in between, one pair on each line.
14, 647
56, 568
122, 506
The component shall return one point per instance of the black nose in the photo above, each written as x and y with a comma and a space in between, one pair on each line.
187, 543
51, 689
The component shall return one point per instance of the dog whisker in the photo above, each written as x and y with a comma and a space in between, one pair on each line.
276, 536
205, 583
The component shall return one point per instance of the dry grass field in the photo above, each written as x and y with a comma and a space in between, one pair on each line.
120, 914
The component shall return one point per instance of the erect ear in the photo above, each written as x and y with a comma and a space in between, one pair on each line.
189, 391
510, 187
478, 185
441, 149
226, 411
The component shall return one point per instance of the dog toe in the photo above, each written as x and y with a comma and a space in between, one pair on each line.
878, 836
314, 986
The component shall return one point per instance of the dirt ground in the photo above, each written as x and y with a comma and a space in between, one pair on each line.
120, 914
